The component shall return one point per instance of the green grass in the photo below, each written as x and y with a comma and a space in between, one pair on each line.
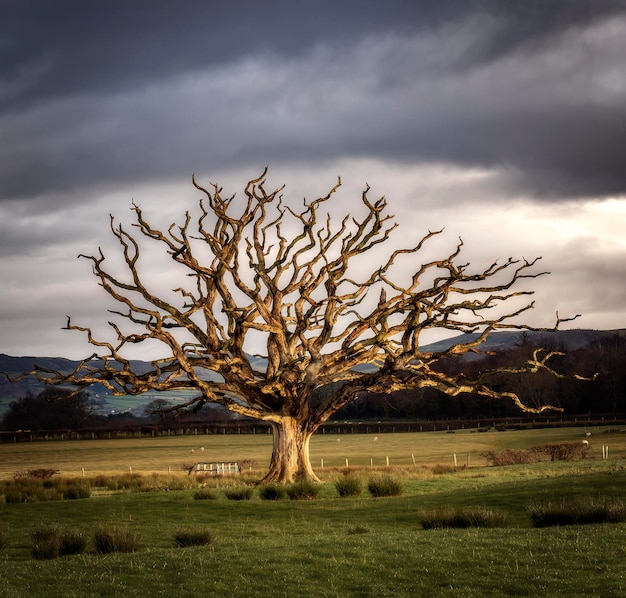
164, 455
331, 545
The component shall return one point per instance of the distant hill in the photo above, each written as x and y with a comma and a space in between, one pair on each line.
569, 340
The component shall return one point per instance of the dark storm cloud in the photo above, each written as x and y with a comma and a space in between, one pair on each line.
72, 46
67, 47
95, 93
532, 25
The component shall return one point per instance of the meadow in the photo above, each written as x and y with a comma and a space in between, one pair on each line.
166, 454
328, 546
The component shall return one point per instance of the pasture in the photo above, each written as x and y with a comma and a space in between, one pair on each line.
166, 454
330, 546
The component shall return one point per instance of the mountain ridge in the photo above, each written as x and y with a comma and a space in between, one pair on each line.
569, 340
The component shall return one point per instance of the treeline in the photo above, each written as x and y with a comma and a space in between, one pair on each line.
603, 360
59, 409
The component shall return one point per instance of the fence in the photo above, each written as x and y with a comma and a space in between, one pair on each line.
367, 427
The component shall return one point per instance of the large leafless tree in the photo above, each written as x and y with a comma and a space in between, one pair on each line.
316, 293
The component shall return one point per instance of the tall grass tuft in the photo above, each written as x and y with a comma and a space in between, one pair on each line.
133, 482
304, 490
115, 539
349, 485
76, 489
272, 492
72, 542
205, 494
50, 541
22, 490
193, 537
243, 493
449, 517
46, 541
578, 512
384, 485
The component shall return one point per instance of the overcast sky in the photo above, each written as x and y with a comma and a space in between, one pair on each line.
502, 120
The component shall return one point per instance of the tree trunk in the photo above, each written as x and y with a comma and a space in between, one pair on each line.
290, 455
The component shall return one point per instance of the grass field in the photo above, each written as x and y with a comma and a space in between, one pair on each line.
330, 546
166, 454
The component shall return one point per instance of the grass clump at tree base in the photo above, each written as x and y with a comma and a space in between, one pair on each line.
272, 492
304, 490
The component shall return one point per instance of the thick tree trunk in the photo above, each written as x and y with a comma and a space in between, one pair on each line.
290, 455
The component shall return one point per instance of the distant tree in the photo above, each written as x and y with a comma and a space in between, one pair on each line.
162, 409
51, 409
327, 306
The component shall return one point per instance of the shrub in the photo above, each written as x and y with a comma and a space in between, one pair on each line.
193, 537
204, 494
272, 492
38, 474
349, 486
511, 457
304, 490
578, 512
243, 493
463, 518
384, 485
115, 539
565, 451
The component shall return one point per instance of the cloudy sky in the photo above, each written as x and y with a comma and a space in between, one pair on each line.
503, 121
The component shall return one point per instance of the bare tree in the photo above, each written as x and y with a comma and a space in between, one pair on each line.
160, 408
263, 274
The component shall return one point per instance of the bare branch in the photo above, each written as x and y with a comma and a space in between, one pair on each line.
262, 269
